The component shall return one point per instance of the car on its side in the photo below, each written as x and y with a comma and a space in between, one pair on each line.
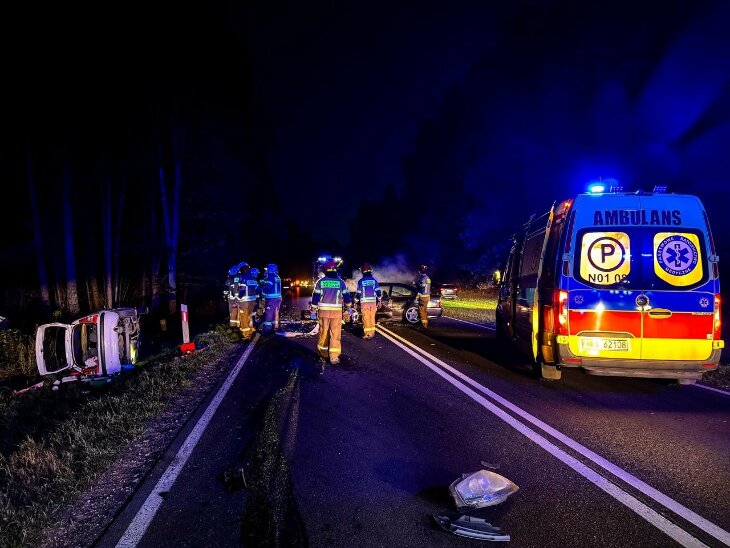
97, 344
448, 291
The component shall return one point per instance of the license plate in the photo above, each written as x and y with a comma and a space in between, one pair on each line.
599, 343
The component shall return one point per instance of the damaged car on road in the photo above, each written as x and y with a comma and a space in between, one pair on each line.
98, 344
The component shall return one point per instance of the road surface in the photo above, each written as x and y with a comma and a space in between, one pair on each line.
363, 455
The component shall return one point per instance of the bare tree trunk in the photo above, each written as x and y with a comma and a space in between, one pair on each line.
171, 209
37, 239
72, 294
106, 217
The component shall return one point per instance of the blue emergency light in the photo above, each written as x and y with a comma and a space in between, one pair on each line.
596, 188
660, 189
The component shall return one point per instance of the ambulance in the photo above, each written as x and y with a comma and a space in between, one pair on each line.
615, 283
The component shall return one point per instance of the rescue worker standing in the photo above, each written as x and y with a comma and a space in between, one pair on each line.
369, 295
231, 293
423, 284
330, 292
271, 292
248, 294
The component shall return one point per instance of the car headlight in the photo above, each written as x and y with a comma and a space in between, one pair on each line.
480, 489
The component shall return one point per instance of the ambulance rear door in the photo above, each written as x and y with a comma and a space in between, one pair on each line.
604, 320
679, 281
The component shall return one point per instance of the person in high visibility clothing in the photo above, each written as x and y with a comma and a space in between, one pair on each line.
423, 284
271, 292
248, 294
330, 293
369, 295
231, 293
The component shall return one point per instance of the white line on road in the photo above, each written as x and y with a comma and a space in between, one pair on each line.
656, 519
712, 389
470, 323
146, 514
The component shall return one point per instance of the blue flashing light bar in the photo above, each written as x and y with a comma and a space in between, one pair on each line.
596, 188
660, 189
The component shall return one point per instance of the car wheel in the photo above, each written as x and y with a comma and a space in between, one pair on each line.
410, 314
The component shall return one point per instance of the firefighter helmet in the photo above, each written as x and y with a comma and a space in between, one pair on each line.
330, 266
254, 272
366, 268
272, 268
243, 267
422, 268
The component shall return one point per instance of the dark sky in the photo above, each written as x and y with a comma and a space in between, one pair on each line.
476, 114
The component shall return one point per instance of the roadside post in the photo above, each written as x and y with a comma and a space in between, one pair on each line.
185, 325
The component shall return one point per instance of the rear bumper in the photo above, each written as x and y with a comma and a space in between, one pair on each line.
656, 369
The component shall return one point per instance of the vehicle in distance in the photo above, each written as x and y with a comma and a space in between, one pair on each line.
448, 291
97, 344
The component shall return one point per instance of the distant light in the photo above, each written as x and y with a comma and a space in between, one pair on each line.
616, 188
596, 188
338, 259
322, 259
660, 189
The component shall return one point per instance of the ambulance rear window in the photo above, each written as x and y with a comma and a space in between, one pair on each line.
627, 257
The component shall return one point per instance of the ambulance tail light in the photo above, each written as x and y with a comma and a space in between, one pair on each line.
717, 331
560, 307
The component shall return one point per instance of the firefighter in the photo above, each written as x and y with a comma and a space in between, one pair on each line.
369, 295
330, 293
248, 293
271, 292
231, 294
423, 284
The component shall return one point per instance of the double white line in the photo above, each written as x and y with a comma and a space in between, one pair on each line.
477, 392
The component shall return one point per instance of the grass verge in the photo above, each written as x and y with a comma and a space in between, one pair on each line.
472, 305
55, 444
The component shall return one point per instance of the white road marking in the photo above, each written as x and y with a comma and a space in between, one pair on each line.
147, 512
694, 518
711, 388
470, 323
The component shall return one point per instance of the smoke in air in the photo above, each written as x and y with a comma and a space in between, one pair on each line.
389, 270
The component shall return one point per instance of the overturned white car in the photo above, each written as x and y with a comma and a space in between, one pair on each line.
97, 344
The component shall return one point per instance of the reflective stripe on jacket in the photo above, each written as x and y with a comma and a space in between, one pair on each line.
368, 289
423, 284
271, 287
330, 293
248, 289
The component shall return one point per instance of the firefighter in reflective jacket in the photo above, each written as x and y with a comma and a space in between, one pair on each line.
329, 294
271, 292
231, 293
248, 294
423, 284
369, 295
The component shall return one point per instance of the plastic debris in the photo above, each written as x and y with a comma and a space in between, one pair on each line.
481, 489
472, 527
28, 389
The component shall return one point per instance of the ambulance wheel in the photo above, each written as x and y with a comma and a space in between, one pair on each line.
410, 315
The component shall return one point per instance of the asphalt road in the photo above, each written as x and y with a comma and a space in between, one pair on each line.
363, 454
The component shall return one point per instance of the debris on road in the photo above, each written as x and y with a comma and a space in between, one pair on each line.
481, 489
471, 526
472, 492
295, 329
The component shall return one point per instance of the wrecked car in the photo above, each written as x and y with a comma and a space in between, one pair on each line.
97, 344
399, 302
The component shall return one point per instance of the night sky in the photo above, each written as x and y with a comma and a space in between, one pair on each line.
421, 129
